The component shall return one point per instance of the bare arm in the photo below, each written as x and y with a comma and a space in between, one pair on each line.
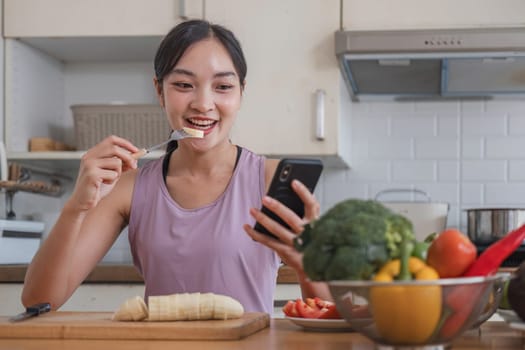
284, 246
87, 226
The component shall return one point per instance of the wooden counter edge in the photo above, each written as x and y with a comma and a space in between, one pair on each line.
115, 273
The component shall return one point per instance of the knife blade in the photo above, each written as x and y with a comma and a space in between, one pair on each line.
31, 311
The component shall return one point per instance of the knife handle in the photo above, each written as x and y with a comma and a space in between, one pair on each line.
38, 309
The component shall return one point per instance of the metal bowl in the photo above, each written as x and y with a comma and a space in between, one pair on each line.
486, 225
417, 313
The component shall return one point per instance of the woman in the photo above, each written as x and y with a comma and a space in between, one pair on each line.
186, 210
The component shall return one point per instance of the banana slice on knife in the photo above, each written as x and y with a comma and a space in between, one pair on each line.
180, 307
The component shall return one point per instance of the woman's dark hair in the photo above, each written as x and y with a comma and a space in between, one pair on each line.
187, 33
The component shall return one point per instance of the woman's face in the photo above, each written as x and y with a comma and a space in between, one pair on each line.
203, 92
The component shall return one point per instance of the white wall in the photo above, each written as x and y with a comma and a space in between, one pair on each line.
468, 153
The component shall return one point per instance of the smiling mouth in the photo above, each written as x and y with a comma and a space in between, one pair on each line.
202, 124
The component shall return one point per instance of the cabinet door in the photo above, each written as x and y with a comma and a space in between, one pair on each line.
69, 18
408, 14
289, 48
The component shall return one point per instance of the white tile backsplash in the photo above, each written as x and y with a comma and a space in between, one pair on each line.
517, 170
447, 171
447, 124
439, 147
408, 124
516, 123
472, 147
509, 147
505, 194
484, 170
389, 147
413, 171
483, 124
467, 153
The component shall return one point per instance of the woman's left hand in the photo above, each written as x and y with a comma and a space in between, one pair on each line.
284, 246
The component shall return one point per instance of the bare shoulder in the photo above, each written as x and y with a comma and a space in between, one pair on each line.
269, 169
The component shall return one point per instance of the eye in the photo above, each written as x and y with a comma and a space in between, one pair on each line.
224, 87
182, 85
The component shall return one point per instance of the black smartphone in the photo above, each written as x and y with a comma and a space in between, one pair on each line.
306, 170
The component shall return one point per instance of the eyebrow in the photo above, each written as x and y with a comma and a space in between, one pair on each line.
191, 74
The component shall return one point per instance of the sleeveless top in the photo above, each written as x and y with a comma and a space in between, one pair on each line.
206, 249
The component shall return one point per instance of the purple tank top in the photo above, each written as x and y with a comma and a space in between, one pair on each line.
206, 249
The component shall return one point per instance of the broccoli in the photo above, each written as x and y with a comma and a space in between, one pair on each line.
352, 240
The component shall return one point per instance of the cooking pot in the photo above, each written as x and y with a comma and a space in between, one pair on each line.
426, 216
486, 225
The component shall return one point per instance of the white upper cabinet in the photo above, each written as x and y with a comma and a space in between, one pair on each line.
292, 101
409, 14
80, 18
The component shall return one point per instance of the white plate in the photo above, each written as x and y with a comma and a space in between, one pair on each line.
321, 325
512, 319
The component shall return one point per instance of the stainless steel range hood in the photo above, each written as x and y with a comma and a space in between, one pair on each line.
433, 64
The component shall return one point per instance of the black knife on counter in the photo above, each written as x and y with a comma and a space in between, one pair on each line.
31, 311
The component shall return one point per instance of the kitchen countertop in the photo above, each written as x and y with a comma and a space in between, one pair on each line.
114, 273
282, 334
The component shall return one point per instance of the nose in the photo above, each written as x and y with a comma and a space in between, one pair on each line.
203, 100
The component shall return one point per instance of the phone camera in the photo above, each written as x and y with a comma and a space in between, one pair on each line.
285, 172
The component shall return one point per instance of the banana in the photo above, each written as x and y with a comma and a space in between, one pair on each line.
132, 309
193, 306
179, 307
194, 132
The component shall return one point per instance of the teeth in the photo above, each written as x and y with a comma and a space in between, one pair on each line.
201, 123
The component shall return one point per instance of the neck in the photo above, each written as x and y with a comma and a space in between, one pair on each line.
187, 159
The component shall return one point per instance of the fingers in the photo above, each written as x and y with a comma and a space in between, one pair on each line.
296, 224
104, 170
283, 212
283, 247
114, 147
312, 209
100, 168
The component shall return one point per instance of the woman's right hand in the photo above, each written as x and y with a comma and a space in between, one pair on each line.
100, 168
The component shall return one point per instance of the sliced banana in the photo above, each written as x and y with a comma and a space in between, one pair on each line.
132, 309
179, 307
193, 306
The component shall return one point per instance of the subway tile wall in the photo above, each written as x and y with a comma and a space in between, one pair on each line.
467, 153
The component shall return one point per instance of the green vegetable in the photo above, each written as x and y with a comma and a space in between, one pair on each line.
421, 248
352, 240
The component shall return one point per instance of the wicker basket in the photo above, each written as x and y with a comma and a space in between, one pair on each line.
144, 125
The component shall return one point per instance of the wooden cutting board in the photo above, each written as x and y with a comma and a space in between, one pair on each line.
98, 325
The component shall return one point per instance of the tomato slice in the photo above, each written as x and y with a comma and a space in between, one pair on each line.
290, 310
312, 303
306, 310
330, 312
311, 308
322, 303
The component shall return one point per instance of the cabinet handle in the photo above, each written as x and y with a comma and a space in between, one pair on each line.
319, 114
182, 10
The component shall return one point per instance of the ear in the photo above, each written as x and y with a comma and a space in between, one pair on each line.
158, 91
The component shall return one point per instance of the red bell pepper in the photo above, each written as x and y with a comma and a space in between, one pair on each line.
489, 261
459, 303
461, 300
